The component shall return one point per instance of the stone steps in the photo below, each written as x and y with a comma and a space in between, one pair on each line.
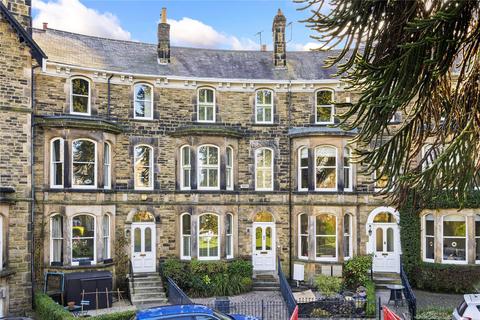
147, 289
265, 282
384, 279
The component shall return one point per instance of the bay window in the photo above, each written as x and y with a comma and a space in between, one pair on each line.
56, 239
229, 235
56, 163
303, 236
264, 106
84, 163
347, 236
326, 237
347, 170
186, 168
454, 239
107, 160
208, 242
206, 105
264, 169
324, 107
83, 249
303, 169
229, 168
326, 168
208, 167
143, 101
186, 235
143, 167
106, 236
477, 238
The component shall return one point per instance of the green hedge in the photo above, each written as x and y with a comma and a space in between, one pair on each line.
356, 271
446, 278
47, 309
212, 278
371, 298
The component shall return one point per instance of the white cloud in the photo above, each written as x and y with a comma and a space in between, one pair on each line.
194, 33
71, 15
303, 46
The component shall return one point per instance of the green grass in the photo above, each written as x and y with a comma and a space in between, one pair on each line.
434, 313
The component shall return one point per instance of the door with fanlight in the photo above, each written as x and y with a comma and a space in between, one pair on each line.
386, 252
143, 247
263, 246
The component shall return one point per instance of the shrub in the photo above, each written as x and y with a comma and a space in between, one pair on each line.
371, 298
436, 313
356, 271
446, 278
124, 315
241, 268
175, 269
328, 286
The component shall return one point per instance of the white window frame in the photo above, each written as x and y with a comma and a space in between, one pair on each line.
264, 105
206, 105
466, 241
107, 254
424, 237
229, 168
326, 236
331, 106
107, 166
52, 238
300, 168
265, 169
350, 235
184, 167
328, 167
151, 166
300, 235
135, 100
348, 151
183, 236
477, 236
229, 235
89, 108
95, 171
94, 261
53, 162
217, 257
209, 167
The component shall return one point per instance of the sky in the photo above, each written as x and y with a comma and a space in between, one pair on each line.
220, 24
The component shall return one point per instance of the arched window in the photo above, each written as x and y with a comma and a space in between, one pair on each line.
206, 105
229, 168
143, 167
107, 168
56, 239
303, 236
264, 106
454, 239
264, 169
347, 236
326, 237
477, 238
324, 107
208, 167
84, 163
303, 169
80, 96
326, 168
83, 240
56, 163
429, 229
106, 236
347, 170
208, 244
229, 235
186, 236
186, 168
143, 101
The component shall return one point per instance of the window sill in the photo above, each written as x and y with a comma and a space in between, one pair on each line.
327, 262
86, 267
77, 190
6, 272
266, 124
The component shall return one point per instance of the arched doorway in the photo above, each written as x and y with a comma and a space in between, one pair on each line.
384, 239
143, 242
263, 242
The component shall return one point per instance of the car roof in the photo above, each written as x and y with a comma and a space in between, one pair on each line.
472, 298
184, 309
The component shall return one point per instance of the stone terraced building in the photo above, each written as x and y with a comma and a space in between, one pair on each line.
184, 152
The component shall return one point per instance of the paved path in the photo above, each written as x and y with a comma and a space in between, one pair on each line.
384, 295
430, 299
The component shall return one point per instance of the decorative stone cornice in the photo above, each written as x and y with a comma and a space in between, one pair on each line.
320, 130
207, 130
79, 122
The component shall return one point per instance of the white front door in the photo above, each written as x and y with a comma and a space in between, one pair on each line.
143, 247
386, 251
263, 239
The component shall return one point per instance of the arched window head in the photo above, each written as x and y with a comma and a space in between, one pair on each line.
326, 237
143, 167
384, 217
264, 106
229, 235
83, 239
303, 169
186, 236
303, 236
143, 216
208, 240
80, 96
206, 105
326, 168
57, 163
325, 110
84, 163
208, 167
263, 217
347, 170
143, 101
185, 168
264, 169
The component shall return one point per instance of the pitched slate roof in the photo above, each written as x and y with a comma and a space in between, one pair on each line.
23, 35
141, 58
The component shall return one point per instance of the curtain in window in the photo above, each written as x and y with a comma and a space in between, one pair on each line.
57, 238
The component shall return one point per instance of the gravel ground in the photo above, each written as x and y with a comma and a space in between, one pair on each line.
430, 299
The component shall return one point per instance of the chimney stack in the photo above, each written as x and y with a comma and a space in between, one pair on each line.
163, 34
263, 47
279, 45
45, 25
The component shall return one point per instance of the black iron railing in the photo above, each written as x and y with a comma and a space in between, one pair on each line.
175, 294
260, 309
286, 290
335, 307
131, 278
408, 293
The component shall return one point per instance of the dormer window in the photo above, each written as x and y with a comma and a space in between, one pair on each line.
80, 96
206, 105
264, 106
143, 101
324, 107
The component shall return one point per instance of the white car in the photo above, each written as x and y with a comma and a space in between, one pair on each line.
469, 309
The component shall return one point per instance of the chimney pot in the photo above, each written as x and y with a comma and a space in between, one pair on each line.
263, 47
45, 25
164, 15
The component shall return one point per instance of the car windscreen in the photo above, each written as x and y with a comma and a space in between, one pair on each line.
461, 308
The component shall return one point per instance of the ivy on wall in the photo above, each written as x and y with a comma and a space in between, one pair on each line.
433, 276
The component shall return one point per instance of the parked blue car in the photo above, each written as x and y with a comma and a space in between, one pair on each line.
187, 312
